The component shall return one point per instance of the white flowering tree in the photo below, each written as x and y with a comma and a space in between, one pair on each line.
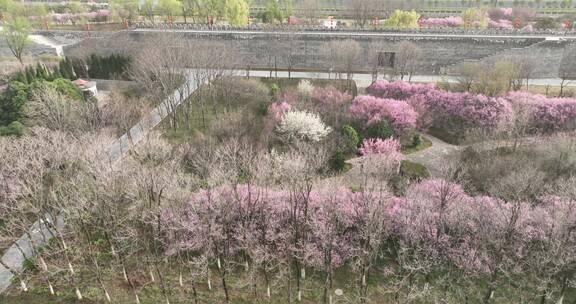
302, 125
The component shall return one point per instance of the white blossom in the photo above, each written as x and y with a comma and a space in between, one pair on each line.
305, 88
303, 125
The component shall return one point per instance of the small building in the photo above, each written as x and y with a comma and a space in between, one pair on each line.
86, 86
330, 23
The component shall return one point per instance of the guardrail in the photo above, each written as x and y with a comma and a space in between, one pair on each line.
318, 28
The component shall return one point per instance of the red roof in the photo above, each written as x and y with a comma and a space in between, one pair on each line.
80, 82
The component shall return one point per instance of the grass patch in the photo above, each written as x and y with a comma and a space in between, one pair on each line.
413, 171
424, 144
292, 83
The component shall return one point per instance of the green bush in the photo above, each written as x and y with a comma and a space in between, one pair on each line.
337, 162
274, 89
66, 87
545, 23
31, 74
351, 138
114, 66
413, 171
12, 102
382, 129
15, 128
416, 140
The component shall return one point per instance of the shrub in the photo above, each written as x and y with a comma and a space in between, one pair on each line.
545, 23
351, 138
337, 162
274, 89
12, 102
66, 87
303, 125
15, 128
413, 171
114, 66
382, 130
416, 140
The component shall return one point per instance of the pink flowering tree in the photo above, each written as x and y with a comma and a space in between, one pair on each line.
454, 113
329, 102
388, 146
333, 225
277, 110
549, 260
400, 90
368, 211
450, 21
370, 110
547, 114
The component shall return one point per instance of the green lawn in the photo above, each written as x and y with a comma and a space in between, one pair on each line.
425, 144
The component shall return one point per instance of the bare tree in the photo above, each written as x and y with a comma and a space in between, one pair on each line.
158, 68
526, 65
375, 53
465, 75
342, 56
310, 9
211, 61
567, 69
363, 11
407, 59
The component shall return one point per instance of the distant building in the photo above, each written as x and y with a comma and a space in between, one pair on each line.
330, 23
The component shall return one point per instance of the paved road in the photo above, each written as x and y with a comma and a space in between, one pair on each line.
352, 33
435, 157
364, 80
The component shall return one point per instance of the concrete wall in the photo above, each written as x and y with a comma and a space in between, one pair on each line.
303, 50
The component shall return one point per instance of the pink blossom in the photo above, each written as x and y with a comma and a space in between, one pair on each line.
371, 110
548, 114
500, 24
451, 21
438, 106
330, 96
398, 89
389, 146
277, 110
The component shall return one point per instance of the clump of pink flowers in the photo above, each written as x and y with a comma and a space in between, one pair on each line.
277, 110
389, 146
371, 110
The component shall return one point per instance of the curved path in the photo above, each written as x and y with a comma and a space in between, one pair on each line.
435, 156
